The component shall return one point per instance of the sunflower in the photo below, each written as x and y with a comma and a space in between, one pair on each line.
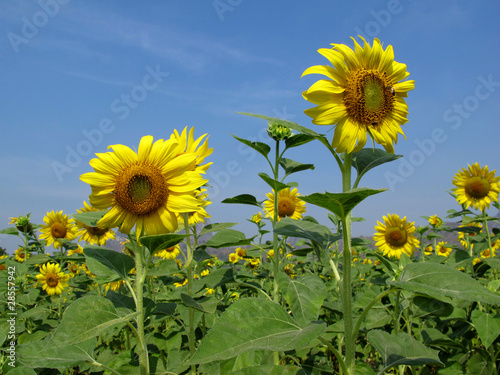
476, 187
92, 235
21, 254
199, 216
443, 249
57, 227
170, 253
2, 266
363, 95
182, 283
22, 223
114, 286
488, 254
52, 279
395, 236
463, 236
253, 263
146, 189
78, 250
241, 252
428, 250
187, 144
289, 204
256, 218
234, 258
435, 221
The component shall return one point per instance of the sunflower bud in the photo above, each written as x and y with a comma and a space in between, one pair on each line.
278, 132
23, 224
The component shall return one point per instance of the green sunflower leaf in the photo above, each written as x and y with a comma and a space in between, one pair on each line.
204, 304
340, 203
10, 230
43, 354
254, 324
268, 370
275, 184
298, 140
243, 199
291, 166
108, 263
85, 318
162, 241
260, 147
487, 326
226, 238
89, 218
369, 158
401, 349
304, 295
216, 226
306, 229
441, 282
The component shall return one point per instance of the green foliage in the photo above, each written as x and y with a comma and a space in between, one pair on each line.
401, 349
341, 203
440, 281
254, 324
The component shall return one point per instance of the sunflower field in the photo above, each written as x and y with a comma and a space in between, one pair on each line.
294, 297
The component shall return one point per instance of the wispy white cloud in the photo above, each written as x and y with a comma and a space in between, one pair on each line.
186, 49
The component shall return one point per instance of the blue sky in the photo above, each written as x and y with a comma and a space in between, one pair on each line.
82, 75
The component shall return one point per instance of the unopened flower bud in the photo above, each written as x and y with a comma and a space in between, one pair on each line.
278, 132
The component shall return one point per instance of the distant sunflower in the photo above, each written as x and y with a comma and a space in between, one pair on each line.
488, 254
92, 235
395, 236
463, 236
146, 189
289, 204
363, 95
51, 278
78, 250
435, 221
170, 253
234, 258
443, 249
2, 266
114, 286
57, 227
428, 250
476, 187
256, 218
241, 252
21, 254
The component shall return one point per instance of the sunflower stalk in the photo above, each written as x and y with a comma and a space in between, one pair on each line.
189, 268
275, 239
350, 347
140, 268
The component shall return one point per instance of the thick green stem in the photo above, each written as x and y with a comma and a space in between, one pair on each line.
276, 257
368, 307
139, 292
350, 347
189, 268
336, 353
